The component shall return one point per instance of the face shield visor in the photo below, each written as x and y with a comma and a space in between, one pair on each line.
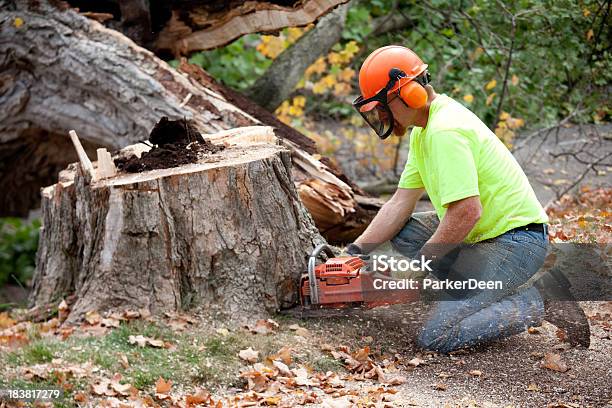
375, 110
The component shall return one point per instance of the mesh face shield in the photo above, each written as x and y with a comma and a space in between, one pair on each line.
375, 110
377, 115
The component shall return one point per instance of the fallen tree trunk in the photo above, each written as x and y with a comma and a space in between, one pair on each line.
279, 80
227, 233
180, 26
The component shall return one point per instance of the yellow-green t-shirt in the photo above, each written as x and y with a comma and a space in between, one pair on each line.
457, 156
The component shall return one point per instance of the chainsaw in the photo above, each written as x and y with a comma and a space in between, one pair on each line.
347, 281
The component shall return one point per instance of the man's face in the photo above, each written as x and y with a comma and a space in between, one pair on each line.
403, 116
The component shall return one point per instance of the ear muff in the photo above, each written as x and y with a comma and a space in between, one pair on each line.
414, 94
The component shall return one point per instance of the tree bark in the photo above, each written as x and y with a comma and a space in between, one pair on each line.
197, 27
228, 234
277, 83
61, 71
184, 26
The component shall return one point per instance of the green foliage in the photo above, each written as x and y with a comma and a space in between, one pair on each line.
18, 245
237, 65
560, 54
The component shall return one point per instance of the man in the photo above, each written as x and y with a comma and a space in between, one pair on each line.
488, 224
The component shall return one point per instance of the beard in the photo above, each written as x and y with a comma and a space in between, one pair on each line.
398, 130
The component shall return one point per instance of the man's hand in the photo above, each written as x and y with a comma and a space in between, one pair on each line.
353, 249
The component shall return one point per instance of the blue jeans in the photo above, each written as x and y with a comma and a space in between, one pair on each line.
475, 317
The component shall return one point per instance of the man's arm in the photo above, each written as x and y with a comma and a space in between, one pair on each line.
460, 218
390, 219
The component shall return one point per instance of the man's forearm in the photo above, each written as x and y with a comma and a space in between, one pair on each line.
459, 220
390, 219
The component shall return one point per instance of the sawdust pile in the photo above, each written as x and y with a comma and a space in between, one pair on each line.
176, 142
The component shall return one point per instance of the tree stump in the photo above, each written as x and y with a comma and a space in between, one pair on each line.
227, 233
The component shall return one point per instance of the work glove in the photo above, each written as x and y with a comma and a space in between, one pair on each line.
353, 249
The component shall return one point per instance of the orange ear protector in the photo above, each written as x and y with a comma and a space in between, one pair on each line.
413, 93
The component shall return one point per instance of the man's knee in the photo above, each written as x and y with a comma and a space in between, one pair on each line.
419, 228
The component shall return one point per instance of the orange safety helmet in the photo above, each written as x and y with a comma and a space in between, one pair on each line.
386, 70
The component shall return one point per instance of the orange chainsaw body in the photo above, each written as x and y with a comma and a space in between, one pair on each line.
344, 282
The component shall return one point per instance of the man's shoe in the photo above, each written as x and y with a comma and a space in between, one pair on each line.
562, 310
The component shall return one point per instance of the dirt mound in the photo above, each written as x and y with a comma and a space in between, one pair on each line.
176, 142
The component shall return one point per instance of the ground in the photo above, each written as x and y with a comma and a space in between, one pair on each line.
196, 352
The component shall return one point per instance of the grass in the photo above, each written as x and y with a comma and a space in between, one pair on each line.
326, 363
199, 356
38, 351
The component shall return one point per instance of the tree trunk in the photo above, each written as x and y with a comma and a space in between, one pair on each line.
277, 83
184, 26
201, 27
227, 234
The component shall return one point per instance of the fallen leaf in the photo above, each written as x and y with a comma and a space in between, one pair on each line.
143, 341
561, 335
131, 314
533, 330
284, 354
80, 397
6, 321
282, 368
110, 322
440, 387
124, 361
553, 361
249, 355
533, 387
326, 347
397, 380
301, 376
342, 402
162, 386
302, 331
222, 331
156, 343
123, 389
415, 362
101, 388
263, 327
362, 354
272, 400
92, 317
200, 397
257, 381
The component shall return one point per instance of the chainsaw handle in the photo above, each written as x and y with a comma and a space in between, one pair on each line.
322, 248
312, 262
